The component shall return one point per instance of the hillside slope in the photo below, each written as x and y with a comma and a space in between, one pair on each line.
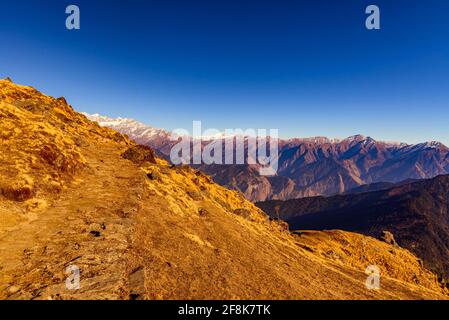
76, 194
417, 214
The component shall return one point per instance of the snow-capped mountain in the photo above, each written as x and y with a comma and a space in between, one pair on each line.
310, 166
136, 130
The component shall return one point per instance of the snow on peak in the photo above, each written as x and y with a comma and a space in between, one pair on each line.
136, 130
356, 138
433, 145
143, 133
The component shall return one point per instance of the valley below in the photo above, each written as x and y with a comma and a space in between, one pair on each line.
414, 213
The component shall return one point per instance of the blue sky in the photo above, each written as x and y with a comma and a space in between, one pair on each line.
305, 67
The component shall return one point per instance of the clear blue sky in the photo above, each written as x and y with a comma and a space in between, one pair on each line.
306, 67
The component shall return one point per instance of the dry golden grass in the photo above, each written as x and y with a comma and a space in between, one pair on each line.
41, 139
151, 231
359, 252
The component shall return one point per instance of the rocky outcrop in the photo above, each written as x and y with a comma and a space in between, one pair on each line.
139, 155
388, 237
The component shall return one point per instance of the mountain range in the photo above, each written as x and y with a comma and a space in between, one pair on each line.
310, 166
78, 196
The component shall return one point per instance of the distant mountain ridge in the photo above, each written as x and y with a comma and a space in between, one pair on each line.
379, 186
312, 166
131, 127
158, 139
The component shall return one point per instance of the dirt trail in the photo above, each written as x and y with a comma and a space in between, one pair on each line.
89, 226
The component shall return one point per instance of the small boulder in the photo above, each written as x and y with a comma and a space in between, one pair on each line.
388, 237
280, 224
18, 193
62, 100
139, 155
194, 195
154, 175
95, 233
203, 212
245, 213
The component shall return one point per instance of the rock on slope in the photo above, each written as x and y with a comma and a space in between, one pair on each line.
76, 194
